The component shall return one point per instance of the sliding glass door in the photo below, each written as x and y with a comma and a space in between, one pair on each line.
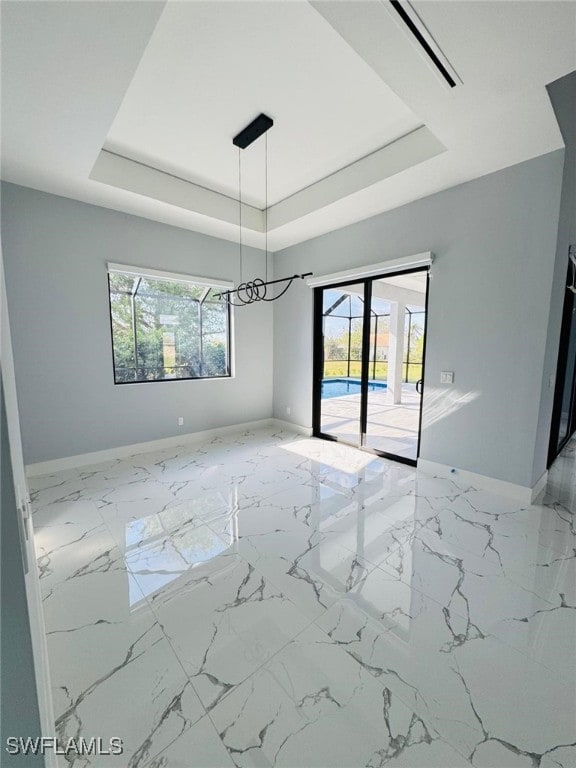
369, 363
342, 322
564, 412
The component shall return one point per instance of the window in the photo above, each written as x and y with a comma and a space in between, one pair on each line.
167, 327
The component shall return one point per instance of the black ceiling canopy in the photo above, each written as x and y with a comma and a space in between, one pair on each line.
257, 127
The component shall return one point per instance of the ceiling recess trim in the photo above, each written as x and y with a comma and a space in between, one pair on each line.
412, 149
118, 171
405, 152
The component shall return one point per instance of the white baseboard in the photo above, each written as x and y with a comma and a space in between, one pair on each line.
306, 431
521, 493
540, 486
96, 457
84, 459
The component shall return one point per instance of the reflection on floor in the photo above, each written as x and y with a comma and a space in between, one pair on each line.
271, 600
390, 428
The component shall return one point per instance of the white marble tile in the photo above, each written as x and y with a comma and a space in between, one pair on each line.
450, 672
313, 705
437, 754
374, 530
494, 528
203, 508
494, 754
109, 474
105, 596
198, 747
39, 482
136, 524
558, 523
273, 528
445, 616
82, 513
176, 466
208, 487
136, 491
403, 639
507, 605
44, 488
72, 552
313, 573
144, 698
85, 648
56, 489
224, 621
160, 560
520, 705
547, 634
113, 671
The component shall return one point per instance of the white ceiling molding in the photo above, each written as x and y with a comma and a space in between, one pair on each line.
133, 176
406, 152
373, 270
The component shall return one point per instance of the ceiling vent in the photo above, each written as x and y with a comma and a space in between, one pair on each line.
422, 37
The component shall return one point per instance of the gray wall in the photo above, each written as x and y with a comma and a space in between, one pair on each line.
55, 255
563, 97
19, 702
494, 241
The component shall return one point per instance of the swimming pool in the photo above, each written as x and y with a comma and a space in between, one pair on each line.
340, 387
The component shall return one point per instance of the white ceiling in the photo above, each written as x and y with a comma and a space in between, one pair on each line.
412, 281
187, 100
409, 288
168, 85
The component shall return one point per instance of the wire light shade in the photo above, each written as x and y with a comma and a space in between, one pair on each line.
257, 290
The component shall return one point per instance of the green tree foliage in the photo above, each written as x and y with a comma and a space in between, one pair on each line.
161, 329
338, 339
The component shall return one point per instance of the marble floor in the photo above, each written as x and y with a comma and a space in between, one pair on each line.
266, 599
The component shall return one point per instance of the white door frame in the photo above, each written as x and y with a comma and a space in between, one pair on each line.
32, 579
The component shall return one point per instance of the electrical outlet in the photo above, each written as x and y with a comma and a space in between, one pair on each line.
447, 377
288, 410
180, 421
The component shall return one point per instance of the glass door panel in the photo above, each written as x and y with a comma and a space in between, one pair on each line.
369, 363
564, 412
342, 329
395, 365
566, 426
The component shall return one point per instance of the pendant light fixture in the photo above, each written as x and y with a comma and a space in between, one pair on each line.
257, 289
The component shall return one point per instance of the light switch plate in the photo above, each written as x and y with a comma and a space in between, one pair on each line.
447, 377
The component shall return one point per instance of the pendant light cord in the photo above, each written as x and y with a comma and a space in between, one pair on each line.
257, 289
240, 207
266, 203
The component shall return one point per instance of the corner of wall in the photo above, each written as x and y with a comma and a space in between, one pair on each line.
562, 94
